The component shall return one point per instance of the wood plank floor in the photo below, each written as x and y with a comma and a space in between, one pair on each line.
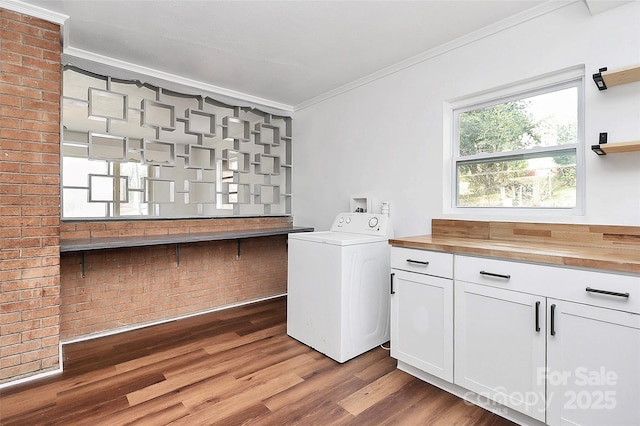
231, 367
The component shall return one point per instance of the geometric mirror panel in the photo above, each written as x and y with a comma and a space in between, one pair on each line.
267, 164
131, 149
236, 161
105, 104
159, 153
158, 115
200, 123
201, 192
200, 157
236, 128
159, 191
236, 193
105, 188
266, 194
267, 134
107, 147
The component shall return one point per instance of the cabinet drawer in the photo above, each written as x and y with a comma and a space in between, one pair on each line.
614, 291
501, 273
606, 290
422, 261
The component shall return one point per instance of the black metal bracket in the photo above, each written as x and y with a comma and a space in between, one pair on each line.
602, 139
82, 261
597, 78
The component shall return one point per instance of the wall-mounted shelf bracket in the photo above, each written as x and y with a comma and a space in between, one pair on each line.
597, 78
601, 141
603, 148
605, 79
82, 261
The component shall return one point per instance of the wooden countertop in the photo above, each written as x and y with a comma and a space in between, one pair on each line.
620, 258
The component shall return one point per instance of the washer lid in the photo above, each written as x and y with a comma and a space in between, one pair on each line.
337, 238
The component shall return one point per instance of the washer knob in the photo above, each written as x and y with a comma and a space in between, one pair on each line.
373, 222
348, 219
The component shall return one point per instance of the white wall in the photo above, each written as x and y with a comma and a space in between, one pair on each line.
386, 138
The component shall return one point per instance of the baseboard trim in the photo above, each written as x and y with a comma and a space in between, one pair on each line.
164, 321
60, 369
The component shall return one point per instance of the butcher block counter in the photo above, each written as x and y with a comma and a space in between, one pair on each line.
613, 248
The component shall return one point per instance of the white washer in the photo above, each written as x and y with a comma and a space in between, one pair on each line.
338, 286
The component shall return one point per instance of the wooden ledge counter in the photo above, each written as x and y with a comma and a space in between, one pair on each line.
70, 245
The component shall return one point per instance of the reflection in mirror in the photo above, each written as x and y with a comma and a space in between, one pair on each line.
159, 153
201, 157
107, 189
107, 147
201, 192
159, 190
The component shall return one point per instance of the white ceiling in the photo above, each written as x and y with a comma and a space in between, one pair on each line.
282, 53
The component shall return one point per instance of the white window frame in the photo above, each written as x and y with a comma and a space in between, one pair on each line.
573, 77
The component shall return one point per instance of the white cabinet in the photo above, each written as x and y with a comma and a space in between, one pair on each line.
557, 344
593, 375
500, 346
422, 310
536, 343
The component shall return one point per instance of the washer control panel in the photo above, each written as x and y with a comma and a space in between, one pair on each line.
363, 223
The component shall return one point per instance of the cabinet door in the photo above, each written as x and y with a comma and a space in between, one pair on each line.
593, 375
422, 322
500, 346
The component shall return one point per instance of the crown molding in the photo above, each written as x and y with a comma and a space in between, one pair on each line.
72, 54
487, 31
35, 11
107, 65
598, 6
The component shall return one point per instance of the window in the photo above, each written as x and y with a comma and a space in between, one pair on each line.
520, 151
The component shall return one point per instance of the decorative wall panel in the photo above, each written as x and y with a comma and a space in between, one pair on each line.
135, 150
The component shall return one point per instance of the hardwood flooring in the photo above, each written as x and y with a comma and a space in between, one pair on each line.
231, 367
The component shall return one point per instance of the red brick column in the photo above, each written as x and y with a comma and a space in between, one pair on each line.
30, 82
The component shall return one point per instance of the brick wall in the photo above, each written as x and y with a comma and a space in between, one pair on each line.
136, 286
30, 81
43, 297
